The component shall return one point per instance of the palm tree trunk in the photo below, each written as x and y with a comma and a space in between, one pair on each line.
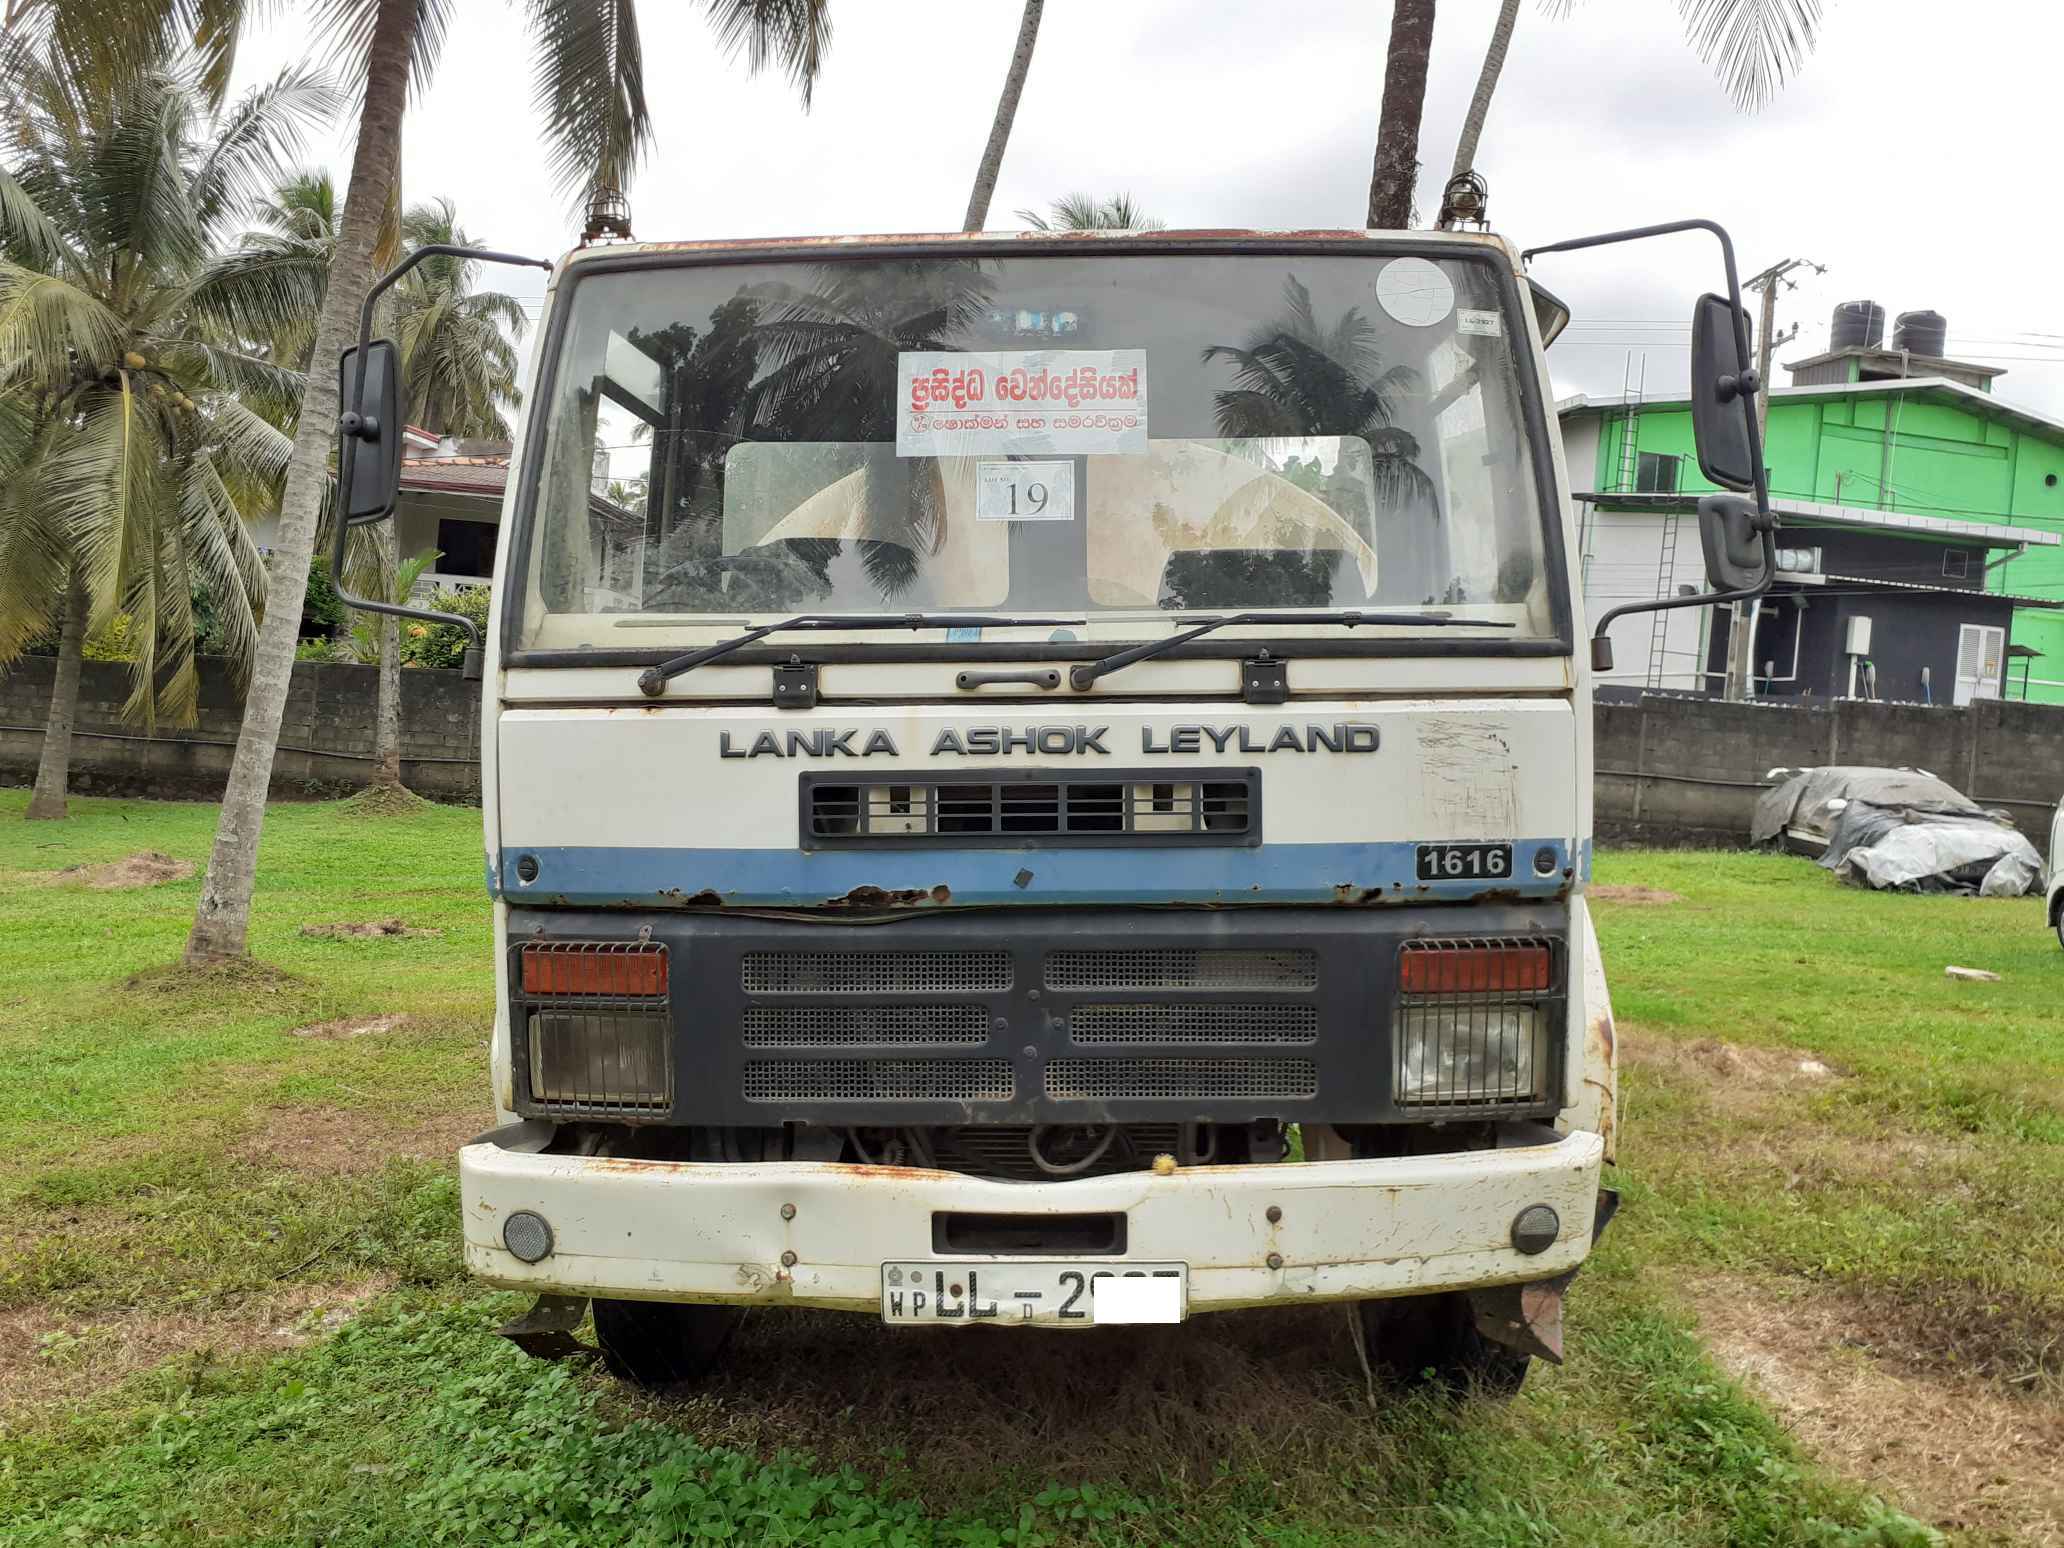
1396, 169
54, 767
1486, 83
222, 923
387, 715
991, 166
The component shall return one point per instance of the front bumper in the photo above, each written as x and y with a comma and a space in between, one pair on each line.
689, 1231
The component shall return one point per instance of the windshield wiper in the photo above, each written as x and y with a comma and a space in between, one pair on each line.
1084, 676
653, 680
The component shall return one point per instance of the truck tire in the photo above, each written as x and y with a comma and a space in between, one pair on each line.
660, 1343
1432, 1341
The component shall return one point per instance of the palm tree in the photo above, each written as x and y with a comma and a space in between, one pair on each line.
458, 370
1753, 45
589, 86
1082, 212
1295, 378
129, 462
1396, 168
990, 167
458, 343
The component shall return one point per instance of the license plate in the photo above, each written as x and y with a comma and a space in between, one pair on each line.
1465, 862
1059, 1294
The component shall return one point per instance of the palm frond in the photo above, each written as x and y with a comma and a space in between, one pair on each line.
51, 331
26, 233
35, 539
793, 34
1752, 45
254, 143
1086, 212
588, 85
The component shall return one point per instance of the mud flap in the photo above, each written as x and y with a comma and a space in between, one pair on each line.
1528, 1318
545, 1332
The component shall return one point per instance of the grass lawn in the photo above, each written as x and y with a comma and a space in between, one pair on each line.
231, 1307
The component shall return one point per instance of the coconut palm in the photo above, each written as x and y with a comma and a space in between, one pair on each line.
1296, 378
1083, 212
458, 343
990, 167
129, 463
1396, 168
589, 88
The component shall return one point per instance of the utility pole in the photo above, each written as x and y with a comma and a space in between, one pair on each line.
1741, 642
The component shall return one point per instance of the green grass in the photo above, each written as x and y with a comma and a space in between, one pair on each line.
148, 1181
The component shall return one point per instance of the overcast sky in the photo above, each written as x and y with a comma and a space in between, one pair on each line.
1915, 156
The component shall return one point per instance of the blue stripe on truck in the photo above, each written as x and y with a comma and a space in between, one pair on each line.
793, 878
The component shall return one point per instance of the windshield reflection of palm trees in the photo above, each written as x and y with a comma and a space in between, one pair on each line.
831, 351
1295, 379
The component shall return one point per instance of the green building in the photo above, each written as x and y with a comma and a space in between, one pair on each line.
1923, 484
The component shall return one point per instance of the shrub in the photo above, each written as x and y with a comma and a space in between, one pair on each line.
322, 611
444, 645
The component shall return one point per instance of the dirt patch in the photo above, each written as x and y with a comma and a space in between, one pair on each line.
1638, 895
369, 930
148, 869
362, 1026
47, 1357
1956, 1449
327, 1141
1732, 1076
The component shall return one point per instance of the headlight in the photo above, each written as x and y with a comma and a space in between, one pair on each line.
1465, 1055
600, 1060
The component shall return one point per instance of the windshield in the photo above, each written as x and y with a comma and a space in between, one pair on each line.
1125, 437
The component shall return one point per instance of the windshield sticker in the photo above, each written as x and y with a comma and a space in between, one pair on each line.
1485, 325
1024, 491
1415, 292
1067, 402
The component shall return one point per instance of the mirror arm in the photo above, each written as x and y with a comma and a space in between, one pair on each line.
1601, 647
357, 428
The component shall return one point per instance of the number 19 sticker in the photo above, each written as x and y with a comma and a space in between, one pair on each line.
1024, 491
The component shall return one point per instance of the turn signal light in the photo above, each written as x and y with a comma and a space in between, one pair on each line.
615, 972
1467, 967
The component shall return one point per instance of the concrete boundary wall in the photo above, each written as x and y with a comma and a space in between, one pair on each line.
326, 736
1687, 770
1670, 769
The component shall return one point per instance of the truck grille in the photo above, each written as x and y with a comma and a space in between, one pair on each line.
1181, 967
874, 972
1010, 808
1209, 1022
835, 1026
1176, 1079
879, 1080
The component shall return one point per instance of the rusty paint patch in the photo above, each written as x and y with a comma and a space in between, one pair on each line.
878, 897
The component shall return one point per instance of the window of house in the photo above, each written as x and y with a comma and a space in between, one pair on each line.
1956, 563
1656, 473
468, 548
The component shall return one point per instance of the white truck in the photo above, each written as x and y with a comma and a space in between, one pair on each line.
1057, 794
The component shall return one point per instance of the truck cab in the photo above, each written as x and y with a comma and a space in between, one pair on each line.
1042, 782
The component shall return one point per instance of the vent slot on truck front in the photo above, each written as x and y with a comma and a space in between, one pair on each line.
1033, 808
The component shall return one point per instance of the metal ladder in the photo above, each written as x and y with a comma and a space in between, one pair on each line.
1666, 576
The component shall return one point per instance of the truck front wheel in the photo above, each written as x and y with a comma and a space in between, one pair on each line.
1432, 1341
660, 1343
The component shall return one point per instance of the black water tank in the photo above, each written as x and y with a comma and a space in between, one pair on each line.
1921, 333
1857, 325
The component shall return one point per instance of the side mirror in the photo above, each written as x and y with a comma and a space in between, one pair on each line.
369, 434
1737, 557
1723, 389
